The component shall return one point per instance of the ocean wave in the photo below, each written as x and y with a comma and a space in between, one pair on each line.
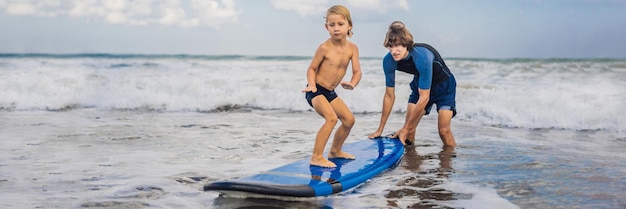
576, 95
151, 56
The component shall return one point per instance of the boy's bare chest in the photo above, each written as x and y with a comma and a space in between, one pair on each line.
338, 59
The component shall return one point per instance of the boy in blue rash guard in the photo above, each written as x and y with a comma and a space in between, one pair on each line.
433, 83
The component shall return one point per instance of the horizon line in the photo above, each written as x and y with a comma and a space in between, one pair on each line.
240, 56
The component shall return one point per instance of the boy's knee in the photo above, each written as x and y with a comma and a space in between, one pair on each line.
445, 130
332, 120
348, 121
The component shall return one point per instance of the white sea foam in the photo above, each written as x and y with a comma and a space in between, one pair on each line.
561, 94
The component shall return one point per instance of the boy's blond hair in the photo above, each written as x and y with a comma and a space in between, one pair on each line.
343, 11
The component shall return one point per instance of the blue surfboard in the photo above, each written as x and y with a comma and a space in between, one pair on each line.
300, 179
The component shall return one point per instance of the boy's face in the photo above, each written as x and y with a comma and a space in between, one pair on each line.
337, 26
398, 51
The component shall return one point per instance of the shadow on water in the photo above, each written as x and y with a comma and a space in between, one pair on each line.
197, 180
419, 190
262, 203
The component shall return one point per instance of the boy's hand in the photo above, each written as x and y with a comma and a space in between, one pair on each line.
402, 136
375, 134
347, 85
310, 89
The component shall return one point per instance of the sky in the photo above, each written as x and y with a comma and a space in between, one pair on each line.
457, 28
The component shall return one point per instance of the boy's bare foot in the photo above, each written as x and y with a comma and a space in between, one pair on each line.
341, 154
322, 162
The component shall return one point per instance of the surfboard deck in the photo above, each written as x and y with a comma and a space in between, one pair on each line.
300, 179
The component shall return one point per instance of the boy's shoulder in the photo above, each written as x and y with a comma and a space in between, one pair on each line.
353, 45
329, 45
324, 46
422, 52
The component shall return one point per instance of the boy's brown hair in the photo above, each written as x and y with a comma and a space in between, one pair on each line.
398, 34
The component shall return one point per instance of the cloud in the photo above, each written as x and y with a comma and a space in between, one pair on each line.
302, 7
182, 13
26, 7
21, 9
381, 6
316, 7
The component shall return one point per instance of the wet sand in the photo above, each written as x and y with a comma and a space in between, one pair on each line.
88, 158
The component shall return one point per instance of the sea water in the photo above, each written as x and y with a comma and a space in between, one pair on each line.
133, 131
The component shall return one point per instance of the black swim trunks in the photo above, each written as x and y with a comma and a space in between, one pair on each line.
330, 95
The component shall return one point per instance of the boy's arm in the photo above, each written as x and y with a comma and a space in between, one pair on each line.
312, 70
389, 67
388, 101
413, 119
356, 67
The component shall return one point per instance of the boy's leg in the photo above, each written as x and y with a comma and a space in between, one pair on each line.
409, 109
347, 122
445, 132
323, 108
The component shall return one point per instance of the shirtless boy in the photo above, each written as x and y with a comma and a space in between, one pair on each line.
327, 69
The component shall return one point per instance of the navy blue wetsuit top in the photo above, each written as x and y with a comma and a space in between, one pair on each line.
419, 62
